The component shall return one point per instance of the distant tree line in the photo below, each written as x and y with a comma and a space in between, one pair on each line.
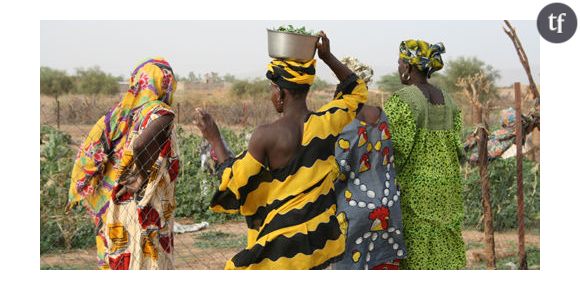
85, 81
91, 81
210, 77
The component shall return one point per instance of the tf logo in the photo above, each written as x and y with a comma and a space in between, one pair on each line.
557, 22
558, 19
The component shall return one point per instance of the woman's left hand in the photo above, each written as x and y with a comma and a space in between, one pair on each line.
210, 131
131, 184
205, 123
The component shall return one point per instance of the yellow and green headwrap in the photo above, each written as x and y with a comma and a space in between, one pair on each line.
291, 74
426, 57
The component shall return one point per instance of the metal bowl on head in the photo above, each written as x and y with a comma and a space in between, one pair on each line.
291, 46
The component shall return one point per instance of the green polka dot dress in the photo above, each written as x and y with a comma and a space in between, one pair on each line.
426, 141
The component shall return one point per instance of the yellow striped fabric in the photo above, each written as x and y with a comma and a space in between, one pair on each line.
290, 211
292, 74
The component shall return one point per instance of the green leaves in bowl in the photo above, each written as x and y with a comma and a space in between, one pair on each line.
298, 30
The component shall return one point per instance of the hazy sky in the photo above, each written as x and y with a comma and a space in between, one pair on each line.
240, 47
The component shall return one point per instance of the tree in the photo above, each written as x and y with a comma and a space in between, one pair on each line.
93, 81
390, 83
212, 78
474, 70
319, 85
55, 83
464, 67
230, 78
192, 77
473, 89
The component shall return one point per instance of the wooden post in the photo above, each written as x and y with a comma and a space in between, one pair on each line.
519, 157
485, 197
57, 113
382, 100
511, 32
178, 115
473, 87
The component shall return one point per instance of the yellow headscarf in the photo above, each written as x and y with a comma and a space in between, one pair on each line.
426, 57
292, 74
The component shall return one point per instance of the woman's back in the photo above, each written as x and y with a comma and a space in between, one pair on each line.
429, 132
426, 143
290, 206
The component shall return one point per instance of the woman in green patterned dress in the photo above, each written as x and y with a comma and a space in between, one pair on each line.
426, 126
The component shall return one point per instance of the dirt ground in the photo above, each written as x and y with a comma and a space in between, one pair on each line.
188, 252
210, 248
506, 249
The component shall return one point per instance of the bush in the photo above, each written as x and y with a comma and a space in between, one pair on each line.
195, 187
503, 191
54, 83
57, 229
93, 81
250, 89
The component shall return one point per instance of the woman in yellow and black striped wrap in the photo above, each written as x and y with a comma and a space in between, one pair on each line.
290, 210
